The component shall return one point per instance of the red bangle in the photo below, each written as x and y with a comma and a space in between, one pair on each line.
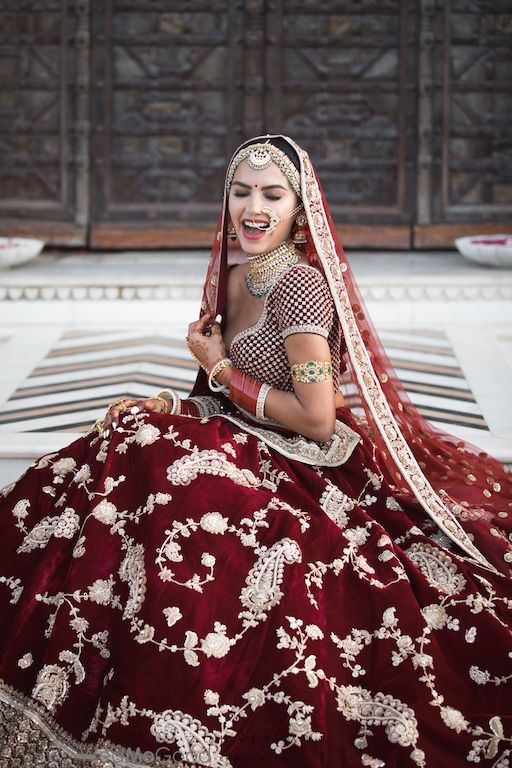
189, 409
244, 390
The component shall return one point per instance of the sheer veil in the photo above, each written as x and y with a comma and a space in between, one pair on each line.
465, 491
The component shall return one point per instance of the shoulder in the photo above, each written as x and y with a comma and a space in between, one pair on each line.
300, 282
303, 302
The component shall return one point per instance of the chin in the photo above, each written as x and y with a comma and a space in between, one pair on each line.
260, 246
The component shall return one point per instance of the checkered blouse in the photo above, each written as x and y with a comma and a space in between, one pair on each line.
300, 302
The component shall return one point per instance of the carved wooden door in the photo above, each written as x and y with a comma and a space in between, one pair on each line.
166, 113
116, 118
464, 176
44, 96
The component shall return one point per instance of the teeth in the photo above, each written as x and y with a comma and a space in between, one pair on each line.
256, 226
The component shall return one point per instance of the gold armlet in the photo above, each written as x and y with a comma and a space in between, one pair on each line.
311, 371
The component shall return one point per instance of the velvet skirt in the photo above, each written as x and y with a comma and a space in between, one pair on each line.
185, 595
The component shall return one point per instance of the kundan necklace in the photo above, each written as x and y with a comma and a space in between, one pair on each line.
266, 268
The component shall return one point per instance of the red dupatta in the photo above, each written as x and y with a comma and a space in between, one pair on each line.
465, 491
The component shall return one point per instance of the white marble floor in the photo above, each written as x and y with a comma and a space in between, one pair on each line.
75, 328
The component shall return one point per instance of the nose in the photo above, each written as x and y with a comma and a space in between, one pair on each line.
253, 205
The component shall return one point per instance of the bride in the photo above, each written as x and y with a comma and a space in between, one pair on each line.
260, 574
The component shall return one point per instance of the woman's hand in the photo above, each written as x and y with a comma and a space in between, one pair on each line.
133, 405
205, 341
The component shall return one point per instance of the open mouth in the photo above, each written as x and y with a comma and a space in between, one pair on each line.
251, 227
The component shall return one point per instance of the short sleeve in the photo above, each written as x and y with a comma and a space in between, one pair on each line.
303, 302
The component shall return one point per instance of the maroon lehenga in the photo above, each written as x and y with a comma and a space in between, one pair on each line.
214, 590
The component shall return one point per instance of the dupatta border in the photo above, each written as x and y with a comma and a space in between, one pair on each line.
399, 450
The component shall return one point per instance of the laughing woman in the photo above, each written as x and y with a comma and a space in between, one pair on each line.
259, 574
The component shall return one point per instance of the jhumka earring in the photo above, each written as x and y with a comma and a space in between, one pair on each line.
299, 236
231, 232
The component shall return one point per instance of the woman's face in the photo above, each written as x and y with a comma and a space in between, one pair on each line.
251, 191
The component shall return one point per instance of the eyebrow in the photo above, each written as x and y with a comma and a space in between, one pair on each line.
270, 186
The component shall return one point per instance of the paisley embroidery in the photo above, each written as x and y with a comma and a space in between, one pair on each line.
52, 686
336, 504
132, 571
265, 577
183, 471
61, 526
438, 567
399, 722
194, 741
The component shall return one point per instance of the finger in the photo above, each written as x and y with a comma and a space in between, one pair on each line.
153, 405
215, 330
204, 322
107, 421
114, 415
200, 321
118, 409
138, 406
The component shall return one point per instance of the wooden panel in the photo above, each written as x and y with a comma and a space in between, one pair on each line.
341, 81
404, 107
165, 116
43, 140
472, 180
115, 236
443, 235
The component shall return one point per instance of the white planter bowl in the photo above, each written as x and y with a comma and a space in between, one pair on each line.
491, 250
17, 250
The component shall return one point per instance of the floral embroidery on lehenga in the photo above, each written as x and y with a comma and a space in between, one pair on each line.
187, 558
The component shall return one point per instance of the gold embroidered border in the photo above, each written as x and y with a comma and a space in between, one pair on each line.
368, 381
40, 734
335, 452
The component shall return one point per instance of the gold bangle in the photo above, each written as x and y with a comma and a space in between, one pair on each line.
218, 367
162, 400
120, 402
311, 371
170, 394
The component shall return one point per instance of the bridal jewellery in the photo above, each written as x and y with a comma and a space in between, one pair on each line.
274, 219
299, 236
311, 371
217, 368
248, 393
259, 157
266, 268
171, 400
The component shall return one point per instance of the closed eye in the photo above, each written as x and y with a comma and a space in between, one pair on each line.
245, 194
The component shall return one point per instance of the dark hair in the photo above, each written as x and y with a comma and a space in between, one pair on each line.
280, 143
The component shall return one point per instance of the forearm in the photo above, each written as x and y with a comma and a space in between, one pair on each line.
315, 422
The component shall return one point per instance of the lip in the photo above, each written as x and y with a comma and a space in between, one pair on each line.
258, 233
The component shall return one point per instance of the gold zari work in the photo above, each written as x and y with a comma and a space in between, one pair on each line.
311, 372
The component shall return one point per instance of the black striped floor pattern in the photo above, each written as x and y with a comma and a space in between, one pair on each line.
86, 370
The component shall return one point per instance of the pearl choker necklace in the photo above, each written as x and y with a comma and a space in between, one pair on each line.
266, 268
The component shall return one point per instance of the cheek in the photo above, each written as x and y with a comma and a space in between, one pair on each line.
233, 207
